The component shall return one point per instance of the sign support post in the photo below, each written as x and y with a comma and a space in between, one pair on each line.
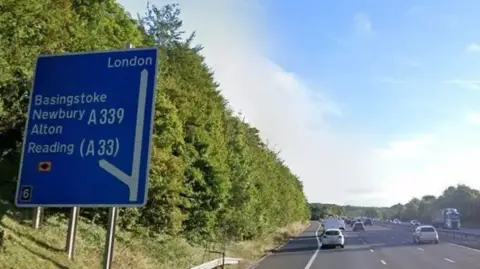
88, 135
37, 217
72, 231
110, 238
111, 227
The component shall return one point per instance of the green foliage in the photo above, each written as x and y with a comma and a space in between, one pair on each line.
321, 211
461, 197
372, 213
211, 177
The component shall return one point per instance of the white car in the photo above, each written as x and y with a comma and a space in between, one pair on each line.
425, 233
415, 223
333, 238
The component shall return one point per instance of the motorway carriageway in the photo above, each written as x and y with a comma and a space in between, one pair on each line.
377, 247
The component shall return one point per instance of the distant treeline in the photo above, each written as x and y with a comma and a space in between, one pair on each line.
461, 197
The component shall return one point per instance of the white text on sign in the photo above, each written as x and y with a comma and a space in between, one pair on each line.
68, 108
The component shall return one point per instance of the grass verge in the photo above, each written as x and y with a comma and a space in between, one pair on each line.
27, 248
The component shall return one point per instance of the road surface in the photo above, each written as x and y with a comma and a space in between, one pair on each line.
378, 247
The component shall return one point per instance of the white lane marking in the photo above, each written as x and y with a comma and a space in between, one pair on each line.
371, 250
319, 244
383, 262
421, 249
448, 260
257, 263
464, 247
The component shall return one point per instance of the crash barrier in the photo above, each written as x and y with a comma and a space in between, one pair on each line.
217, 262
456, 234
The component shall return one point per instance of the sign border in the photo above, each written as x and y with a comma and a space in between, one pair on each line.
150, 133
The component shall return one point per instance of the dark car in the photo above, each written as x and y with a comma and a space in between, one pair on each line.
368, 222
358, 227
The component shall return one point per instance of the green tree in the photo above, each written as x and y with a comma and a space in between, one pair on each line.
212, 177
372, 213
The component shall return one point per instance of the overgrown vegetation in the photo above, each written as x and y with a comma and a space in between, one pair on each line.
461, 197
212, 178
320, 211
27, 248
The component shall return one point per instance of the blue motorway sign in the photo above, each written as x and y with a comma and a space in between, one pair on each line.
88, 131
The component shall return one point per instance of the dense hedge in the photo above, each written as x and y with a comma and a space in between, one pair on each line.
211, 174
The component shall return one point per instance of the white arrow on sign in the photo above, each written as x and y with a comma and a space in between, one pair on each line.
132, 181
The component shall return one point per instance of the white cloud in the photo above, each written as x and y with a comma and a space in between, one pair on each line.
417, 147
295, 119
363, 24
473, 47
427, 164
473, 85
474, 117
287, 112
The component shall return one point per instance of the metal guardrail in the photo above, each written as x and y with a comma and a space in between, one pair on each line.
217, 262
453, 233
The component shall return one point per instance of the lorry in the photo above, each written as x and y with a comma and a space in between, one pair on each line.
446, 218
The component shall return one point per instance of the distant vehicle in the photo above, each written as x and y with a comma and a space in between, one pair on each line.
368, 222
358, 226
446, 218
397, 221
333, 238
333, 224
425, 233
414, 223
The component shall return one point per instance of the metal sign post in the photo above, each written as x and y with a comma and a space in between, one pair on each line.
88, 132
72, 231
110, 238
37, 217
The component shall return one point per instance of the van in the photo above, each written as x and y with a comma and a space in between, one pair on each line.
334, 224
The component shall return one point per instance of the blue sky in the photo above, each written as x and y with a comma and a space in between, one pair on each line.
382, 96
418, 44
